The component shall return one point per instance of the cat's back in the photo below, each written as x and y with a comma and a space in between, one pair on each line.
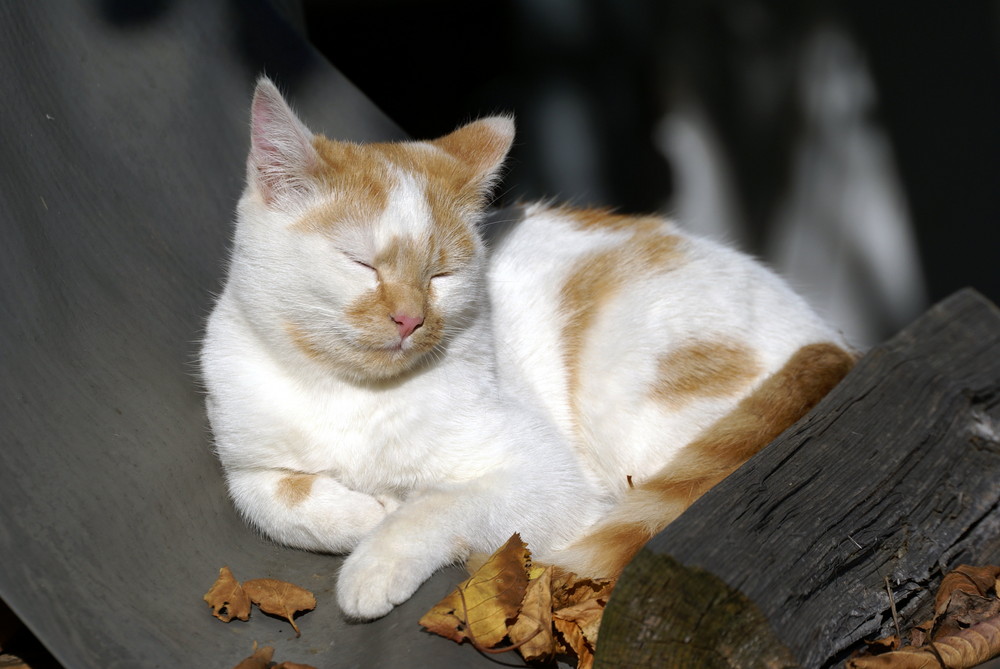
633, 333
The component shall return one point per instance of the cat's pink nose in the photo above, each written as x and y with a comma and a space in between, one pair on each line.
407, 324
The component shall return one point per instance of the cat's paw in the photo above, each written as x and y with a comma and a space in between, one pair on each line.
370, 585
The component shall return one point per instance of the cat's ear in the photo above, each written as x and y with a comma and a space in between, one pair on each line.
282, 159
482, 146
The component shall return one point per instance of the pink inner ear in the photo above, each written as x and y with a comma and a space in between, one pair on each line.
282, 157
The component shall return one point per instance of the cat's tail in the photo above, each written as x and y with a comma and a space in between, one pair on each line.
760, 417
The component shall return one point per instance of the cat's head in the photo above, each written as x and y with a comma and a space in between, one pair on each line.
362, 257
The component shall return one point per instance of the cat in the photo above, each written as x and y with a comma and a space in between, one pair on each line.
381, 383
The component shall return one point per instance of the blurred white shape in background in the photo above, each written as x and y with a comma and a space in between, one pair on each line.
842, 235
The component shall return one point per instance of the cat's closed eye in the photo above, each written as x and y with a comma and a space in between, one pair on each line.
360, 263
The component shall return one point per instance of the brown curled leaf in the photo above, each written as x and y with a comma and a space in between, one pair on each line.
964, 632
260, 659
280, 598
227, 598
572, 641
962, 650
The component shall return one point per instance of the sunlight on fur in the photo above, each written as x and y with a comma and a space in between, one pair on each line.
380, 383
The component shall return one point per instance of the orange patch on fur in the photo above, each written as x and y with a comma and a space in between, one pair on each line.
294, 489
606, 219
602, 275
757, 420
704, 369
360, 179
625, 540
370, 316
303, 343
481, 146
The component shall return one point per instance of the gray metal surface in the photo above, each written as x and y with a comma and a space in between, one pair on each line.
123, 131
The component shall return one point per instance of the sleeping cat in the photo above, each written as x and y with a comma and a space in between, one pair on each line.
382, 384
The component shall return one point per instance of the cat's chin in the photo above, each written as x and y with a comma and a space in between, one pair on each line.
386, 364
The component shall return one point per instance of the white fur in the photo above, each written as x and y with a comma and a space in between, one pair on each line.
715, 293
452, 456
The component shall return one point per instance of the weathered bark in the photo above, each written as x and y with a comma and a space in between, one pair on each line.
890, 481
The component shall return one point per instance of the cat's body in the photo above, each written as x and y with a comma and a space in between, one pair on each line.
380, 385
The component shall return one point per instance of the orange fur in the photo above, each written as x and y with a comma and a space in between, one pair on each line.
757, 420
606, 219
704, 369
302, 342
295, 488
477, 145
603, 274
361, 178
357, 171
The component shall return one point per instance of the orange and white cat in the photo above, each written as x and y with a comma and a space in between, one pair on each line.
380, 383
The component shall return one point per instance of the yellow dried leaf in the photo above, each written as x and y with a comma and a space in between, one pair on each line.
227, 598
535, 571
280, 598
479, 608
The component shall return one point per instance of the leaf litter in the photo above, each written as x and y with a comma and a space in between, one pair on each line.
964, 632
510, 604
230, 599
261, 659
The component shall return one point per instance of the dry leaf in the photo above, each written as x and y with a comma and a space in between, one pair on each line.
479, 608
574, 642
568, 590
578, 605
920, 634
963, 650
964, 632
280, 598
227, 598
531, 633
542, 611
967, 596
968, 579
587, 615
260, 659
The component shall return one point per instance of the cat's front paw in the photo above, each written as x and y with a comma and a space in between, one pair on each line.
370, 585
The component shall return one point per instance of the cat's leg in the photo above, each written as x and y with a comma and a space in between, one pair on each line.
442, 526
722, 448
311, 511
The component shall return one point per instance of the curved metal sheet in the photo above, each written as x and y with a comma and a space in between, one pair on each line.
123, 130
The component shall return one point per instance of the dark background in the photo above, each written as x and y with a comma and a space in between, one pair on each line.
620, 65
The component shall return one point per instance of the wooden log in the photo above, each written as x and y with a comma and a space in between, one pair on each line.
892, 480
